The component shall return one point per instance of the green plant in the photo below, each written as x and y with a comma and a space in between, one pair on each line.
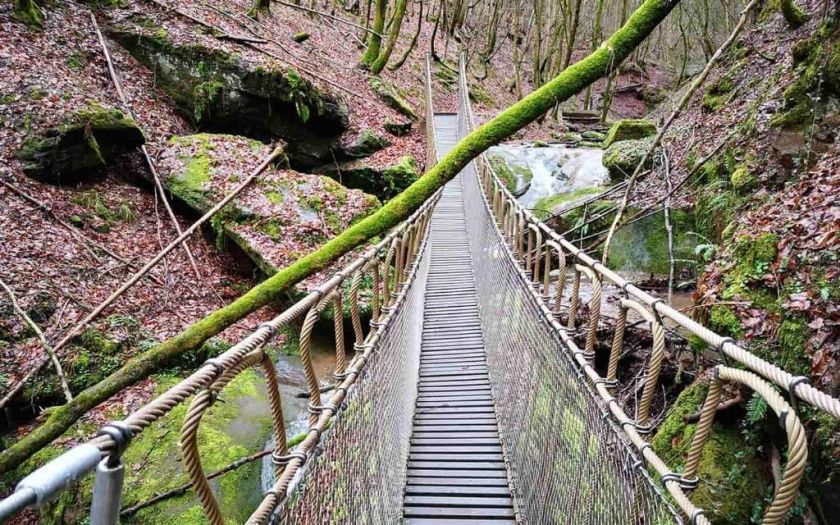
76, 61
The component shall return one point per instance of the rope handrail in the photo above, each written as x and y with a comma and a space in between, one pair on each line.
66, 469
514, 222
776, 375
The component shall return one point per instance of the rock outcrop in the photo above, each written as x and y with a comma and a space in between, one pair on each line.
224, 92
87, 141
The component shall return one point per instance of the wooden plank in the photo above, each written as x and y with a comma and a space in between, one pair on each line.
431, 490
449, 521
490, 466
432, 481
443, 473
483, 449
457, 512
458, 501
434, 456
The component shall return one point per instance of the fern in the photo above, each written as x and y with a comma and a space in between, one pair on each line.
756, 409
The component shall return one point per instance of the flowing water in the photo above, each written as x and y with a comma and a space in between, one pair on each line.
555, 168
292, 382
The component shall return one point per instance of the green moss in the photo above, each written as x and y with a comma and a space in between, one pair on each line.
392, 96
793, 338
629, 129
480, 95
718, 94
400, 175
794, 15
817, 73
76, 61
743, 179
546, 206
29, 13
275, 197
300, 37
643, 245
191, 184
237, 425
731, 477
723, 320
621, 158
96, 206
85, 141
502, 170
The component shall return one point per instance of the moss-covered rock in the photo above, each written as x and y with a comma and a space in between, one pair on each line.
237, 425
642, 246
516, 176
629, 129
743, 179
398, 129
366, 144
731, 477
384, 183
391, 95
86, 141
621, 158
817, 62
718, 94
223, 92
281, 216
593, 136
554, 204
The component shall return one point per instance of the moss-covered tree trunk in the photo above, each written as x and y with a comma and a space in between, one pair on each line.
794, 15
570, 82
375, 38
393, 35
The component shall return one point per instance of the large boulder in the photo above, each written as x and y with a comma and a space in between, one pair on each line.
621, 158
629, 129
385, 183
515, 175
85, 142
278, 218
365, 144
225, 92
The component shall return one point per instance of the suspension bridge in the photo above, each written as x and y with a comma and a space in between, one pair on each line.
468, 399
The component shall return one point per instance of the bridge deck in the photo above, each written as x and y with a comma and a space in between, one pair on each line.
456, 471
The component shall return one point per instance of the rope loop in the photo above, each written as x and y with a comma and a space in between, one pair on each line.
696, 515
794, 382
121, 434
719, 348
217, 365
272, 330
283, 460
317, 409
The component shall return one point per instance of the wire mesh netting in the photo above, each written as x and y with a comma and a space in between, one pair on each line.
359, 473
568, 464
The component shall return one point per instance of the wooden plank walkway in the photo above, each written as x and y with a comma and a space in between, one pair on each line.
456, 471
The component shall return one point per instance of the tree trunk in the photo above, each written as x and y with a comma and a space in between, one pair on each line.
375, 39
597, 35
570, 82
413, 43
393, 35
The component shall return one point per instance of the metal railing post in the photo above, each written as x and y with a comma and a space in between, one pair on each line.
110, 474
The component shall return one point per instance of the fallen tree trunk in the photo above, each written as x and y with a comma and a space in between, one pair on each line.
568, 83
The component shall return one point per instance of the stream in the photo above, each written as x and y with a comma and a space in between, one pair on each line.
292, 381
555, 168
